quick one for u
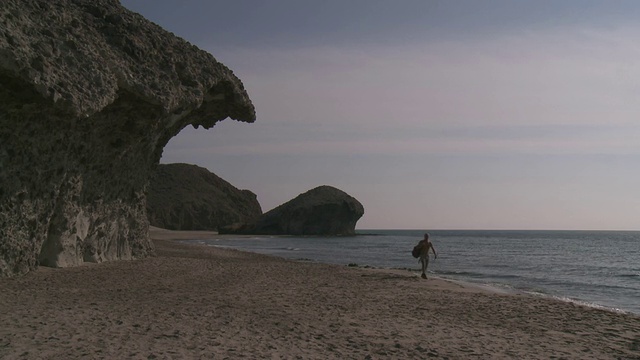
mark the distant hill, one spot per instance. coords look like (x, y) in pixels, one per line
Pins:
(189, 197)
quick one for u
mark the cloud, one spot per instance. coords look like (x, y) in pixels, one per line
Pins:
(481, 141)
(500, 73)
(521, 130)
(575, 82)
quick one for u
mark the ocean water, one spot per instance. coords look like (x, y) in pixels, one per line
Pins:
(595, 268)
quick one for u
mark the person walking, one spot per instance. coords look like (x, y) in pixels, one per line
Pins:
(424, 246)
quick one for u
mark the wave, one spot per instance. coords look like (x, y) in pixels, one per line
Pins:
(197, 242)
(479, 275)
(629, 276)
(577, 302)
(289, 248)
(498, 266)
(461, 273)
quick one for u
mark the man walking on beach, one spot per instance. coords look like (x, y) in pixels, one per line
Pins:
(424, 246)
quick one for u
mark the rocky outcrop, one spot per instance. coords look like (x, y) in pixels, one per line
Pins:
(189, 197)
(90, 93)
(324, 210)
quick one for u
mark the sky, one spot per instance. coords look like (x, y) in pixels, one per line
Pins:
(433, 114)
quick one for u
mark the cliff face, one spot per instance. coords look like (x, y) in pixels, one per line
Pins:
(90, 93)
(324, 210)
(188, 197)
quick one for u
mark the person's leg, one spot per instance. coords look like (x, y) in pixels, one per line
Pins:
(426, 265)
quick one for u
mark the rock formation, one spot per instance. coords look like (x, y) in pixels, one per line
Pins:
(189, 197)
(324, 210)
(90, 93)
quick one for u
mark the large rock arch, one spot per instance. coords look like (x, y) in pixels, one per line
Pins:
(90, 93)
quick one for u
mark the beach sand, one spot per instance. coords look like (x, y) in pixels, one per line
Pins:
(198, 302)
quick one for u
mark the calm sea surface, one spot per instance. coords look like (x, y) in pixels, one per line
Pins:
(597, 268)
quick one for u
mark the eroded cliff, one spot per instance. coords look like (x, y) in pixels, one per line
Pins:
(90, 93)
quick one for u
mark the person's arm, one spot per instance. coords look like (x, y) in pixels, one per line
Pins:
(435, 254)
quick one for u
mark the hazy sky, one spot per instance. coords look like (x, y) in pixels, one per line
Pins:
(434, 114)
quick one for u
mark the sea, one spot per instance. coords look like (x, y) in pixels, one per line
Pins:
(595, 268)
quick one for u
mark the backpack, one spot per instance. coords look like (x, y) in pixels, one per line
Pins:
(416, 250)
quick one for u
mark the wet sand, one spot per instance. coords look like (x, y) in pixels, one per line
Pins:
(198, 302)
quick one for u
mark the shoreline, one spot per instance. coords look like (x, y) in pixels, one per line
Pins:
(198, 238)
(192, 301)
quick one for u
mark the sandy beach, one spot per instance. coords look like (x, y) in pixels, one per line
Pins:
(198, 302)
